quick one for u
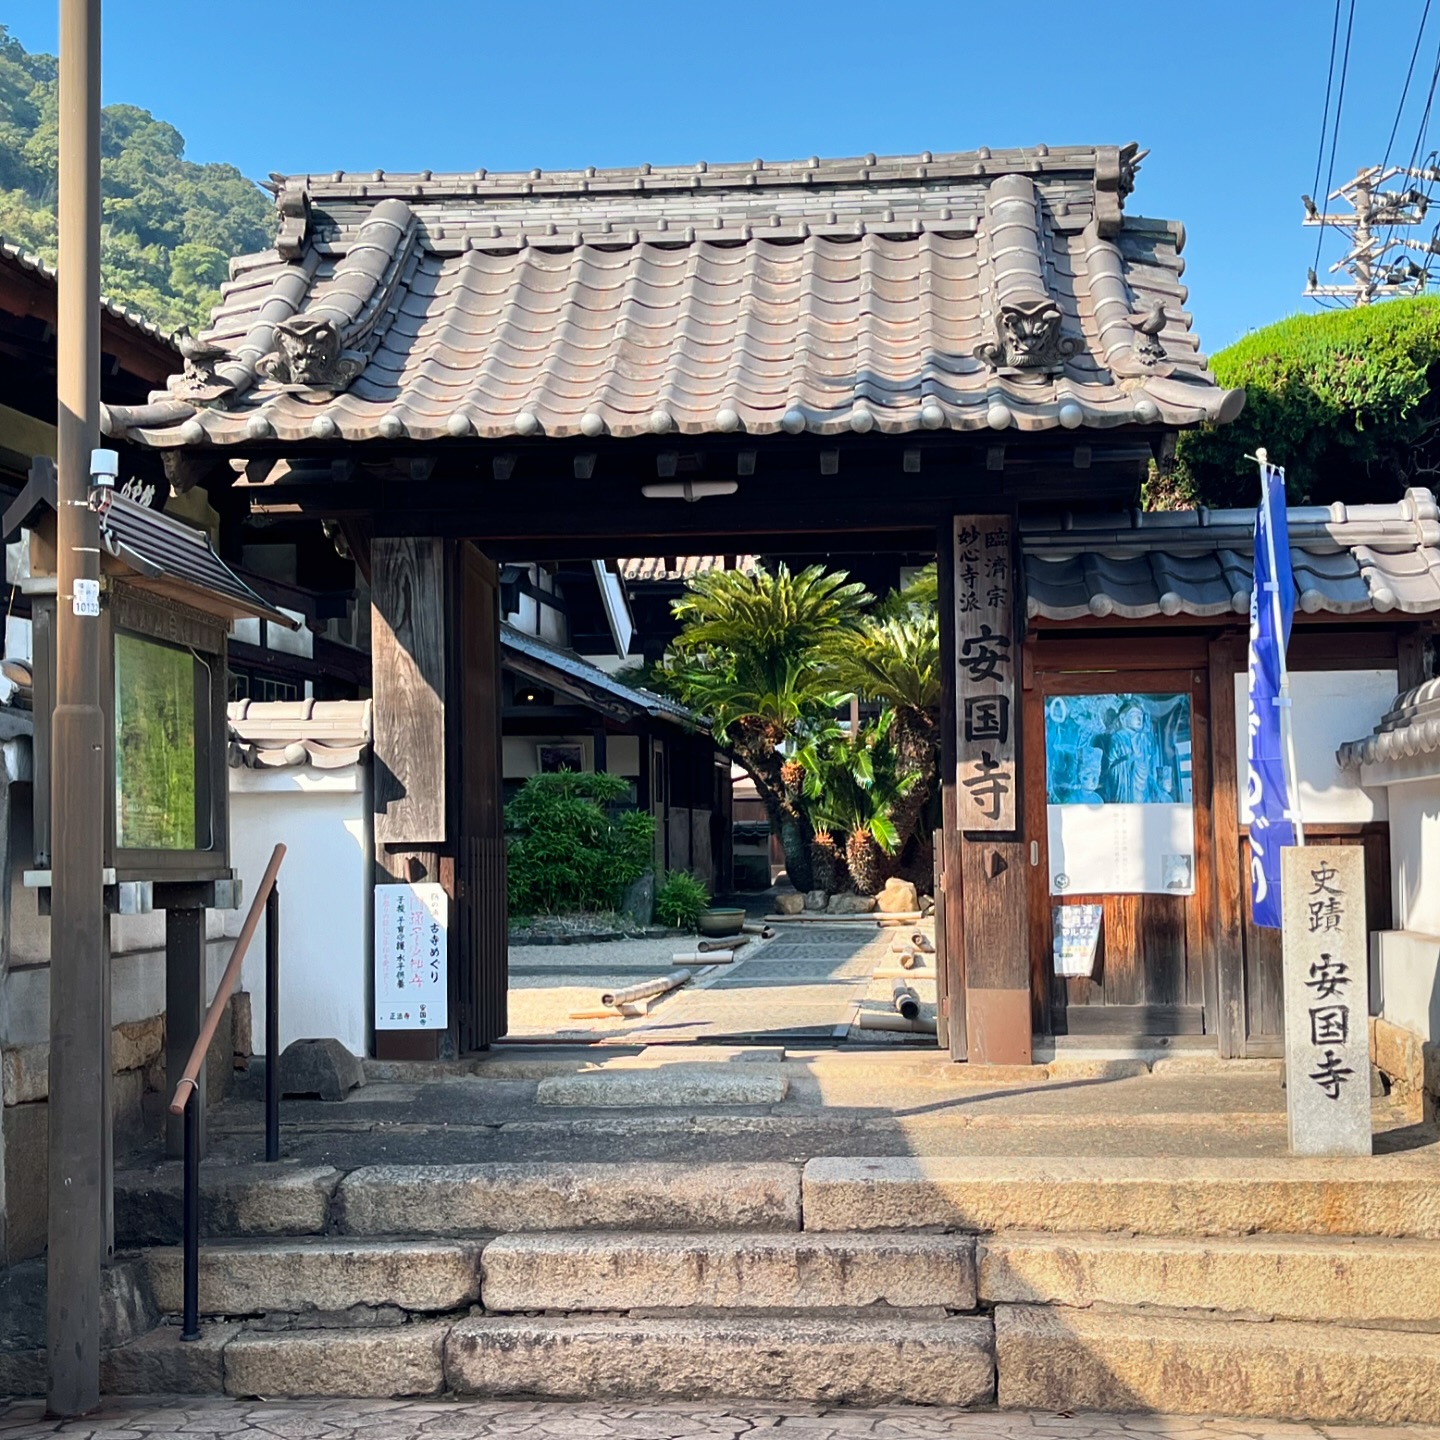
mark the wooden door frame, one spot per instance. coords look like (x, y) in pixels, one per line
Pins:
(1121, 665)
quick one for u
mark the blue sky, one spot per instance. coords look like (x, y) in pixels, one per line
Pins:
(1227, 95)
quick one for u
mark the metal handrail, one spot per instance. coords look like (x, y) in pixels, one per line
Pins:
(191, 1076)
(186, 1100)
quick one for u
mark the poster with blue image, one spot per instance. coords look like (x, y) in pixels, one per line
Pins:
(1118, 794)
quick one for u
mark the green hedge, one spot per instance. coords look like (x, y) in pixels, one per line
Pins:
(1344, 399)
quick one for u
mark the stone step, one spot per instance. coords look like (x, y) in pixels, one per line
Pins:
(735, 1271)
(869, 1361)
(1371, 1281)
(443, 1200)
(1382, 1195)
(239, 1278)
(1128, 1360)
(360, 1364)
(280, 1199)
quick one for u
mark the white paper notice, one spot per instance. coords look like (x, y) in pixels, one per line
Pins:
(86, 598)
(1121, 849)
(411, 955)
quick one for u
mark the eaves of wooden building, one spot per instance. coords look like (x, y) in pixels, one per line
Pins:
(979, 355)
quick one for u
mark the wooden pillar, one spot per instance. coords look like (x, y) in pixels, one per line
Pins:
(1228, 899)
(990, 858)
(949, 902)
(408, 649)
(185, 1005)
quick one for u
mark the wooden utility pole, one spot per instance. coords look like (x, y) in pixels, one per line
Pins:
(79, 1117)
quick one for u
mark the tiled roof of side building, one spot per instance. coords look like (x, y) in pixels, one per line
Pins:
(22, 259)
(275, 734)
(1346, 559)
(965, 292)
(684, 567)
(1410, 728)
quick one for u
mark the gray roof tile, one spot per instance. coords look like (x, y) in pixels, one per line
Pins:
(1410, 727)
(823, 296)
(1346, 561)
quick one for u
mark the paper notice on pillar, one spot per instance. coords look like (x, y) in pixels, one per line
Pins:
(1119, 816)
(411, 957)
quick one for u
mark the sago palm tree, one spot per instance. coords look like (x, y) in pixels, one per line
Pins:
(895, 658)
(753, 657)
(854, 786)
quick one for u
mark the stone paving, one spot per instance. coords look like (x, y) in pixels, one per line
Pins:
(192, 1419)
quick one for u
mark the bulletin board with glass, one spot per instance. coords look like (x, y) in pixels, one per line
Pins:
(163, 689)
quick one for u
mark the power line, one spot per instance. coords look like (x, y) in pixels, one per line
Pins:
(1339, 107)
(1405, 91)
(1325, 114)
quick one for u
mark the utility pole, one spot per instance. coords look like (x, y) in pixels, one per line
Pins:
(79, 1111)
(1373, 209)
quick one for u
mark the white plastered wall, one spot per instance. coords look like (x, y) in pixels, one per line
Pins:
(323, 818)
(1329, 707)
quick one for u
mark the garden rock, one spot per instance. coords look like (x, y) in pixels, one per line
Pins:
(639, 901)
(815, 899)
(789, 902)
(899, 897)
(319, 1067)
(851, 904)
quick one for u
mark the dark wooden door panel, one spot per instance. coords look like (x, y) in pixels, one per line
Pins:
(1155, 951)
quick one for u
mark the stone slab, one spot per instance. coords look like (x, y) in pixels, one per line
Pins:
(664, 1085)
(299, 1275)
(860, 1362)
(1052, 1360)
(237, 1200)
(762, 1272)
(359, 1364)
(25, 1074)
(1287, 1277)
(25, 1175)
(493, 1199)
(1327, 999)
(160, 1363)
(1383, 1195)
(22, 1372)
(711, 1054)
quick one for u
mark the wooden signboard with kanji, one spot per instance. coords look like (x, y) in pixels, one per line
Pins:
(986, 657)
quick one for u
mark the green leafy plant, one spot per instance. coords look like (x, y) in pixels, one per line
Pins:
(754, 657)
(1347, 400)
(570, 846)
(855, 786)
(680, 900)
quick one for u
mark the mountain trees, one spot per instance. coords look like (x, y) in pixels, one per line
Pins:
(170, 225)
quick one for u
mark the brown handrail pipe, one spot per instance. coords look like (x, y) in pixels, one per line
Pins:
(191, 1077)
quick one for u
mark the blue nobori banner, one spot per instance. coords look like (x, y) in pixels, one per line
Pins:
(1271, 783)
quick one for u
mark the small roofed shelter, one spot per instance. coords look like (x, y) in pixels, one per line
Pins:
(893, 353)
(562, 712)
(164, 606)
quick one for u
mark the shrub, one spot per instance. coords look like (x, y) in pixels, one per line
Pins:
(680, 899)
(569, 848)
(1345, 400)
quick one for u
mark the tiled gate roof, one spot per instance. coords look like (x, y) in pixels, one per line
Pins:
(967, 292)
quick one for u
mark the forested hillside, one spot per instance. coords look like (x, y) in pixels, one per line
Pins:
(170, 225)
